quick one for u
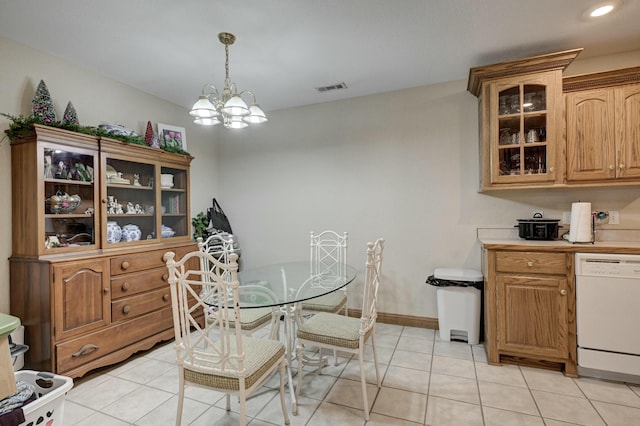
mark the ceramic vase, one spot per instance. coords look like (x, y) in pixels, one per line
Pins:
(131, 232)
(114, 232)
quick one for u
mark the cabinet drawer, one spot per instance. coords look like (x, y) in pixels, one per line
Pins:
(77, 352)
(531, 262)
(131, 307)
(131, 284)
(141, 261)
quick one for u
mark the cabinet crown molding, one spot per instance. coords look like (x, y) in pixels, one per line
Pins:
(540, 63)
(597, 80)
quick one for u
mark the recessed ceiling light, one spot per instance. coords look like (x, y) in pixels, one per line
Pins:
(603, 8)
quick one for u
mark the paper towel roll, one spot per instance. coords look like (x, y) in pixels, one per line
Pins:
(580, 230)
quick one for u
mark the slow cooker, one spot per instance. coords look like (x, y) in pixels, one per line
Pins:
(538, 228)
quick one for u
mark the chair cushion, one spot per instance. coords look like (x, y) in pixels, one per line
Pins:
(259, 356)
(331, 329)
(332, 302)
(250, 319)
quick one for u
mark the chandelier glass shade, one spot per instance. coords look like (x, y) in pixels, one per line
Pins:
(228, 107)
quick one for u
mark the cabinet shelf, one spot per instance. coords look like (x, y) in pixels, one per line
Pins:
(68, 181)
(129, 186)
(130, 215)
(68, 216)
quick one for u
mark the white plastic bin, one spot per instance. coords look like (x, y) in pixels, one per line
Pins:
(51, 390)
(459, 303)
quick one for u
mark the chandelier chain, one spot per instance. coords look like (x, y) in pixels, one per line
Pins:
(226, 62)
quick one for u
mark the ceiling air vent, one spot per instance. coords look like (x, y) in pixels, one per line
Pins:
(336, 86)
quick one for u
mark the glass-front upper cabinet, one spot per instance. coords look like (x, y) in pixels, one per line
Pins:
(130, 207)
(70, 195)
(145, 195)
(55, 177)
(522, 134)
(520, 120)
(174, 181)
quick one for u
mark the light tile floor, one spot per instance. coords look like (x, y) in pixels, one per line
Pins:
(426, 381)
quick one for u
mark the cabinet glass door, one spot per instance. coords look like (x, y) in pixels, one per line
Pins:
(173, 185)
(70, 196)
(519, 137)
(130, 205)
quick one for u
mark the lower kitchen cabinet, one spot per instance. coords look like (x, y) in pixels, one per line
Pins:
(530, 308)
(83, 313)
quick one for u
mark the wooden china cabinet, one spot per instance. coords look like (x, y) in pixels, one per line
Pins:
(520, 116)
(91, 223)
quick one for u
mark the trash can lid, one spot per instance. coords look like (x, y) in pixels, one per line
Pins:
(458, 274)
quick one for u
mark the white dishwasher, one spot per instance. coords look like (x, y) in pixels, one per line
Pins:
(608, 315)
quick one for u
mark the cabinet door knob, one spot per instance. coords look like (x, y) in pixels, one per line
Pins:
(125, 286)
(104, 201)
(165, 277)
(529, 264)
(105, 290)
(563, 292)
(621, 166)
(165, 297)
(611, 167)
(125, 265)
(126, 309)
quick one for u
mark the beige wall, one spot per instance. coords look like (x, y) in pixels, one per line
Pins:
(401, 165)
(97, 100)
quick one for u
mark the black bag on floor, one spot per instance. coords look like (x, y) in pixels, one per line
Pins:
(218, 219)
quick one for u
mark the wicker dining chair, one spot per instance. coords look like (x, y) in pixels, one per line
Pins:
(251, 319)
(328, 258)
(347, 334)
(211, 353)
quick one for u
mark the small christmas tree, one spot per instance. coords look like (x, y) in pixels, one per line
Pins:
(42, 105)
(70, 115)
(150, 136)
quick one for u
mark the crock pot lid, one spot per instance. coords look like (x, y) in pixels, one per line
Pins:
(539, 220)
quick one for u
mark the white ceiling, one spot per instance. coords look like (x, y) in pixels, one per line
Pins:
(286, 48)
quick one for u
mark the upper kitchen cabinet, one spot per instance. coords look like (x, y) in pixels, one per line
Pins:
(603, 127)
(520, 118)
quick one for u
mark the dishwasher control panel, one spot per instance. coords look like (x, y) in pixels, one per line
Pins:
(608, 265)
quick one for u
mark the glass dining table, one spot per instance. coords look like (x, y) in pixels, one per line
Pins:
(284, 286)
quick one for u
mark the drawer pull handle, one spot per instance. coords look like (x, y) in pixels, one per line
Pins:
(125, 265)
(563, 292)
(165, 297)
(125, 286)
(126, 309)
(86, 349)
(529, 264)
(165, 277)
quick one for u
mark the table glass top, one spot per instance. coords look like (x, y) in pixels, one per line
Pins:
(287, 283)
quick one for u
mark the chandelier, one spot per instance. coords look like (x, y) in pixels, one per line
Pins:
(227, 107)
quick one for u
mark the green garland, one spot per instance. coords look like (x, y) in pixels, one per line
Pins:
(21, 127)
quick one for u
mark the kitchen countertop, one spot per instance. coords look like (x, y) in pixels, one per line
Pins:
(607, 241)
